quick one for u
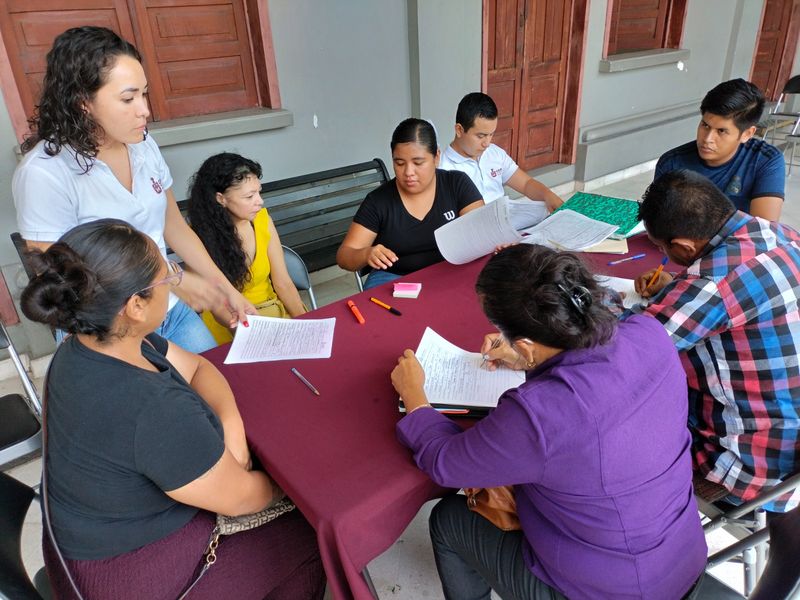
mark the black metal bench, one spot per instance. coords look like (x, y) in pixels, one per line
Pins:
(313, 212)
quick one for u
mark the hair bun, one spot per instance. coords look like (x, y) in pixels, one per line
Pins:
(61, 286)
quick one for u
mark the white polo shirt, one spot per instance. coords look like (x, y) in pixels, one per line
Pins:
(52, 194)
(489, 174)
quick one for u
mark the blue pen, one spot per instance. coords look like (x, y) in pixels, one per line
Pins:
(622, 260)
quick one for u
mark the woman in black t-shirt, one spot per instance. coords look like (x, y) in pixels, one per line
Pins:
(392, 232)
(144, 439)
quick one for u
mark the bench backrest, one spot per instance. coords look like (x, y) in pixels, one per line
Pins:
(313, 212)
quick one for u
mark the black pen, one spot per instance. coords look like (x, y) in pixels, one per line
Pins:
(392, 310)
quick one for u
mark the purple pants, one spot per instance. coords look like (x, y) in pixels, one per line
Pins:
(277, 561)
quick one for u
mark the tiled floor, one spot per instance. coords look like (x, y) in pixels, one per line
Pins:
(406, 571)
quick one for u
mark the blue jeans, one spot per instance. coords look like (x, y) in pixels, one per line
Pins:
(473, 557)
(184, 327)
(181, 326)
(378, 277)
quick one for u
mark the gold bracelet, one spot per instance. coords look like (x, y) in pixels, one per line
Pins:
(408, 412)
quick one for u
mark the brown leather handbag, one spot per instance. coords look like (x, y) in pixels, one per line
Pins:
(497, 504)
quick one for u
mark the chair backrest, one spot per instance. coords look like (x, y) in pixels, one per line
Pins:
(781, 577)
(22, 249)
(297, 269)
(792, 86)
(313, 212)
(15, 498)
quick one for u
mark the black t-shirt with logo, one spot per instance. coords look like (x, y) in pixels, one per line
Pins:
(412, 240)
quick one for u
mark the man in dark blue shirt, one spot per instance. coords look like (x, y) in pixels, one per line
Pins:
(747, 170)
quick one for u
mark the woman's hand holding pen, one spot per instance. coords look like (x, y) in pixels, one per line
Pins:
(408, 379)
(380, 257)
(496, 352)
(643, 286)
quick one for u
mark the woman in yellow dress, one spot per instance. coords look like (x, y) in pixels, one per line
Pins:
(225, 210)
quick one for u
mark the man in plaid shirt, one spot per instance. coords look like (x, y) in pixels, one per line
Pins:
(733, 316)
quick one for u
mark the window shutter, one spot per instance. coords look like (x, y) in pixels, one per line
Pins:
(197, 56)
(637, 25)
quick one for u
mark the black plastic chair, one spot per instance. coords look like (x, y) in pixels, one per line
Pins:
(779, 115)
(781, 577)
(298, 273)
(20, 414)
(748, 522)
(15, 499)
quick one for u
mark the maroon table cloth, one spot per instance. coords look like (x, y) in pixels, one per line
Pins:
(336, 455)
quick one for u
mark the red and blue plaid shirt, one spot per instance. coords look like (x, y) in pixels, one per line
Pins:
(733, 316)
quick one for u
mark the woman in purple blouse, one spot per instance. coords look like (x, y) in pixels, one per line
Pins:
(594, 441)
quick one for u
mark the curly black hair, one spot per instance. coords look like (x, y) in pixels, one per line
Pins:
(211, 221)
(77, 66)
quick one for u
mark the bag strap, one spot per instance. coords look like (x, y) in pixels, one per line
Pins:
(209, 556)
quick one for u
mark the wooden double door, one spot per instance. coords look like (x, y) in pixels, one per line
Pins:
(529, 47)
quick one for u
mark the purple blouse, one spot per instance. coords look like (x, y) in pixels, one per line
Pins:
(596, 444)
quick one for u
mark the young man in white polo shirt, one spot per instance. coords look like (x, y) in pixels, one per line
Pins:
(489, 166)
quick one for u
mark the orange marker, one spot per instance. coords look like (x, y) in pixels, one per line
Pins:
(356, 312)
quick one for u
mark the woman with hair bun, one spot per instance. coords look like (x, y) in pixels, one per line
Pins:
(594, 443)
(226, 212)
(144, 440)
(392, 232)
(89, 157)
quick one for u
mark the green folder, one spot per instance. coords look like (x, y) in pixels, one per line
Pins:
(615, 211)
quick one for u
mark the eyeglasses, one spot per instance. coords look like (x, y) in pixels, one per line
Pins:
(174, 277)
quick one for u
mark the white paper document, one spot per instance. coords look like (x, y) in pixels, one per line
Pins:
(454, 376)
(270, 338)
(624, 286)
(506, 221)
(476, 233)
(568, 230)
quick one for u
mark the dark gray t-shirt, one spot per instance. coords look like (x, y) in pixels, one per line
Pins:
(118, 436)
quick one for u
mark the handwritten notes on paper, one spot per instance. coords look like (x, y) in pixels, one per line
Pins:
(625, 288)
(568, 230)
(269, 338)
(454, 377)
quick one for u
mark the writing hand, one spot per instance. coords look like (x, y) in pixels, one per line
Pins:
(496, 352)
(641, 287)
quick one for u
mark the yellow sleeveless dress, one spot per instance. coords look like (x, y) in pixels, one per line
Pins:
(259, 289)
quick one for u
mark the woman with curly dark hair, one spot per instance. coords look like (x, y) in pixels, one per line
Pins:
(89, 157)
(226, 213)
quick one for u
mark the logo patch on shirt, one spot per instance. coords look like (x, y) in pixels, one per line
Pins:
(735, 186)
(156, 185)
(495, 172)
(450, 215)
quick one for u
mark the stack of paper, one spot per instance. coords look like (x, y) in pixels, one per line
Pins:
(454, 377)
(615, 211)
(407, 290)
(505, 221)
